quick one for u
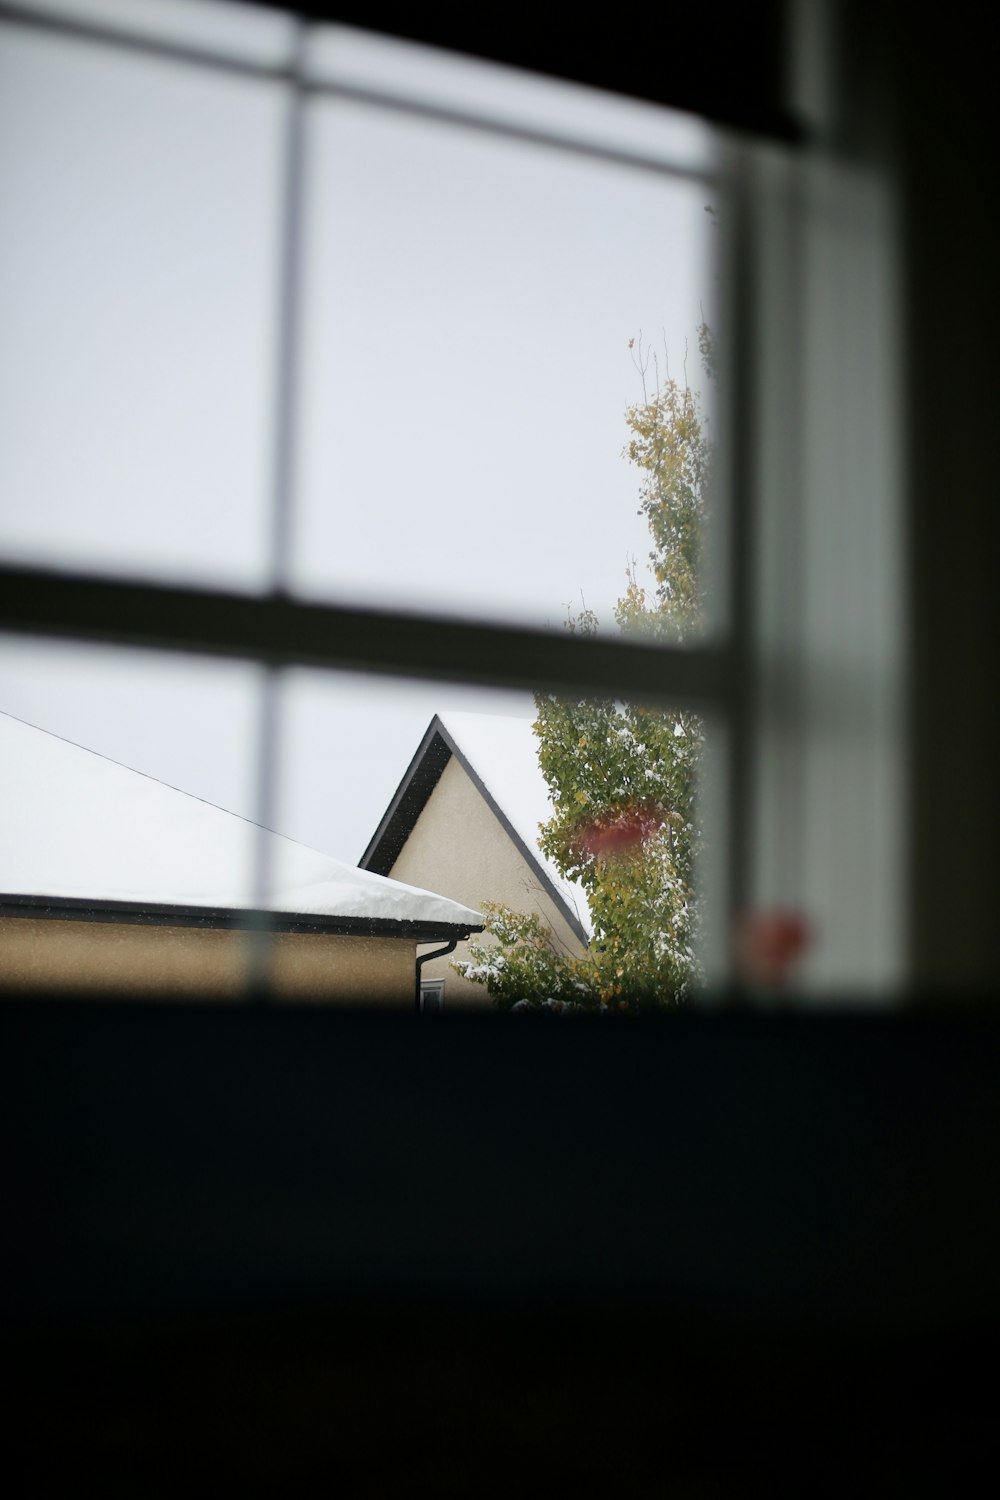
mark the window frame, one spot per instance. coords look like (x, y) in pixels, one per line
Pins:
(723, 677)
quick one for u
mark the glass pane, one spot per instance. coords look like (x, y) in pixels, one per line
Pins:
(138, 216)
(128, 787)
(480, 315)
(189, 722)
(573, 828)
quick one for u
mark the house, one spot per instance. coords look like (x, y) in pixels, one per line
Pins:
(112, 882)
(465, 820)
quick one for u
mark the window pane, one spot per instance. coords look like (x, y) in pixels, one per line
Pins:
(574, 828)
(139, 218)
(128, 792)
(468, 365)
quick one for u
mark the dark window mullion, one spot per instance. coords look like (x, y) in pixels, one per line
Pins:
(115, 38)
(279, 631)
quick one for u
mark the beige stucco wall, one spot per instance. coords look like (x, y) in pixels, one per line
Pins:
(460, 849)
(136, 960)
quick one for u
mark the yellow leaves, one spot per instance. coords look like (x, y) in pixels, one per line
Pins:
(582, 797)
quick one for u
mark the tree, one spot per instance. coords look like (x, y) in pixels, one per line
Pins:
(622, 775)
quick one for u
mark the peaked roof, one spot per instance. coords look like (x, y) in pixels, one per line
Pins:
(81, 834)
(500, 755)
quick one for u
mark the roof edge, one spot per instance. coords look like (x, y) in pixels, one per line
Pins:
(163, 914)
(408, 801)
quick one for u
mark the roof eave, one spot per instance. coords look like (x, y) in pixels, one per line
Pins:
(409, 800)
(169, 914)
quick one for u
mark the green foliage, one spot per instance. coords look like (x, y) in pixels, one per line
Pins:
(522, 964)
(621, 775)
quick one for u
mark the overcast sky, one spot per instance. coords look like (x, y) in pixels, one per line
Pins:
(464, 372)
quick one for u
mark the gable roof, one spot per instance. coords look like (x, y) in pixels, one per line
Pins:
(81, 835)
(500, 756)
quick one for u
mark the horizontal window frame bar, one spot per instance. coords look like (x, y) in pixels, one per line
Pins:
(123, 40)
(279, 631)
(291, 76)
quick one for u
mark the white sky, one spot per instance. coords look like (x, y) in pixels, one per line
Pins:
(467, 305)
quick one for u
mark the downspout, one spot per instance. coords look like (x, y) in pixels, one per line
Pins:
(435, 953)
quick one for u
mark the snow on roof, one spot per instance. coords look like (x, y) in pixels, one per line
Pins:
(74, 824)
(504, 754)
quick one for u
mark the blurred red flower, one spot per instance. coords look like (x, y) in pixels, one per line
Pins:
(768, 944)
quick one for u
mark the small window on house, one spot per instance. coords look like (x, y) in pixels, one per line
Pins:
(432, 994)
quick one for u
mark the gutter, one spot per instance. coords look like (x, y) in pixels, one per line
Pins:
(169, 914)
(435, 953)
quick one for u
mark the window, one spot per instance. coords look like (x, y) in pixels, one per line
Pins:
(437, 1199)
(800, 672)
(432, 994)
